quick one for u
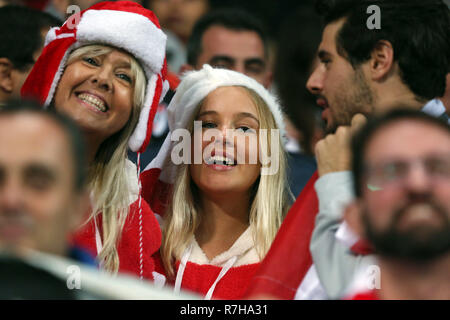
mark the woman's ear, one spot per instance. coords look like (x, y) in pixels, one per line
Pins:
(353, 217)
(382, 60)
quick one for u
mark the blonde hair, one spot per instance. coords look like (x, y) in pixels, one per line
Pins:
(269, 201)
(108, 179)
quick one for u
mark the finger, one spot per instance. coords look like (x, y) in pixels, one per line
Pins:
(358, 121)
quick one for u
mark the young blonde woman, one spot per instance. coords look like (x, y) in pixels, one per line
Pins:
(224, 209)
(106, 70)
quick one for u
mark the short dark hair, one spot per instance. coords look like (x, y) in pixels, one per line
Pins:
(20, 33)
(362, 138)
(418, 31)
(70, 128)
(229, 18)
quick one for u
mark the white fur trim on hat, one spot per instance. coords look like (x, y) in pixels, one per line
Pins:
(146, 43)
(196, 85)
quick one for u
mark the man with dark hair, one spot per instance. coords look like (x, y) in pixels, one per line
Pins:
(42, 179)
(43, 199)
(368, 71)
(363, 70)
(22, 37)
(233, 39)
(401, 169)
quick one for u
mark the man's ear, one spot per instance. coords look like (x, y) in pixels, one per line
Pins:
(382, 60)
(185, 67)
(353, 217)
(6, 82)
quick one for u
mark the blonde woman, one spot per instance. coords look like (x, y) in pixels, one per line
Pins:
(107, 72)
(225, 209)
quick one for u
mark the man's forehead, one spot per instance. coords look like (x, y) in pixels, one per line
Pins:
(408, 138)
(328, 43)
(33, 136)
(219, 40)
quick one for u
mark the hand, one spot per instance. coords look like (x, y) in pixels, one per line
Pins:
(333, 152)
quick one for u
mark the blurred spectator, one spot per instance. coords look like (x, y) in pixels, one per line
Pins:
(43, 199)
(42, 177)
(233, 39)
(21, 42)
(177, 18)
(401, 170)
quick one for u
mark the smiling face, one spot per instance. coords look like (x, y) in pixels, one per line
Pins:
(228, 108)
(97, 91)
(341, 90)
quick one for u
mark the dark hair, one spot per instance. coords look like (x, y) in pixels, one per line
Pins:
(70, 128)
(362, 138)
(20, 34)
(230, 18)
(298, 40)
(418, 31)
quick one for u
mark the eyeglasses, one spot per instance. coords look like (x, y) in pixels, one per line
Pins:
(392, 172)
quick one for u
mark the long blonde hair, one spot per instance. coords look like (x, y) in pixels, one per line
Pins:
(108, 179)
(269, 201)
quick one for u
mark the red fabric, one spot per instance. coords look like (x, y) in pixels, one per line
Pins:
(151, 117)
(362, 247)
(155, 191)
(173, 79)
(128, 244)
(289, 258)
(39, 81)
(36, 4)
(368, 295)
(199, 278)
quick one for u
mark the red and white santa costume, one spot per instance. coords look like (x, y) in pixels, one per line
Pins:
(227, 275)
(130, 27)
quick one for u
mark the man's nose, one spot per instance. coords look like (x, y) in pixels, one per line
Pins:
(315, 81)
(418, 179)
(11, 195)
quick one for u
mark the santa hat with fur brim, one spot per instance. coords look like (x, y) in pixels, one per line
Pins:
(122, 24)
(158, 177)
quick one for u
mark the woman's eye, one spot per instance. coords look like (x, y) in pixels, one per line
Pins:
(125, 77)
(245, 129)
(91, 61)
(208, 125)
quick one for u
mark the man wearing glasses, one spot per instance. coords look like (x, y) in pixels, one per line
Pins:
(401, 175)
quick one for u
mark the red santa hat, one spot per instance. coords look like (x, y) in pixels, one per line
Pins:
(159, 175)
(122, 24)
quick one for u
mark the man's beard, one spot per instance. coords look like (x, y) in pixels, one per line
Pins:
(354, 96)
(418, 244)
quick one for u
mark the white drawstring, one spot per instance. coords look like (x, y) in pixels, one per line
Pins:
(224, 270)
(182, 266)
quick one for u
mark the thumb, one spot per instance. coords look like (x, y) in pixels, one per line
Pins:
(358, 121)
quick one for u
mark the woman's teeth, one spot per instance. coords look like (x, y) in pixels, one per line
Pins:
(220, 160)
(93, 101)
